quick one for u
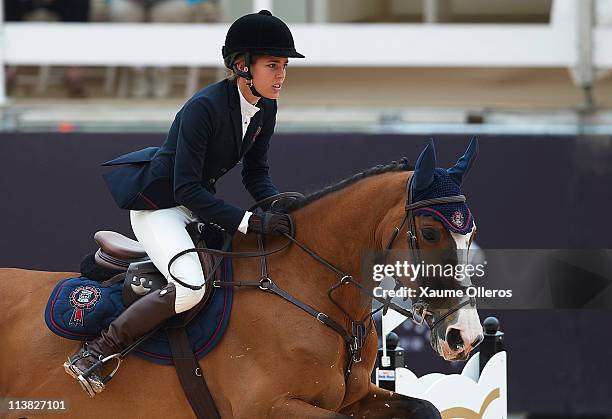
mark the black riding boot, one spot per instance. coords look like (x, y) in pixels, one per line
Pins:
(140, 317)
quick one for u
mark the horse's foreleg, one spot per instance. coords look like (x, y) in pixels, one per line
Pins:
(380, 403)
(295, 408)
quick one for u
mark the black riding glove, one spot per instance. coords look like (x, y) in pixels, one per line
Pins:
(269, 223)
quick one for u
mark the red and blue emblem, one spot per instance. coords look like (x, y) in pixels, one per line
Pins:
(457, 219)
(83, 298)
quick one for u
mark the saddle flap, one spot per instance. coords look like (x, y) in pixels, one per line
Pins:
(140, 279)
(208, 262)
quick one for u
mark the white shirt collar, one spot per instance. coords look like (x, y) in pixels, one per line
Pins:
(246, 109)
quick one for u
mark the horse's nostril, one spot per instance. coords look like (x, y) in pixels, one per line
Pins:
(454, 339)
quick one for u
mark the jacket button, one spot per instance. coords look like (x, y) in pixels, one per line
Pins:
(212, 180)
(223, 170)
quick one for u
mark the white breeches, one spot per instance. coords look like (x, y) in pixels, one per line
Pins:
(162, 233)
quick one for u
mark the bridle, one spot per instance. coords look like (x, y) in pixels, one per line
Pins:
(420, 311)
(358, 332)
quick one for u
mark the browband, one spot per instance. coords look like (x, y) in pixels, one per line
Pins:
(434, 201)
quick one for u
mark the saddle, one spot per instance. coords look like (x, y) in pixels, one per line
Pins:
(125, 260)
(118, 253)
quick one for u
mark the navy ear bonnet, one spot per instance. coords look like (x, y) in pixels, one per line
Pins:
(431, 182)
(455, 216)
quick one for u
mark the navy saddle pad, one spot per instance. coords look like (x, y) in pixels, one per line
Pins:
(79, 309)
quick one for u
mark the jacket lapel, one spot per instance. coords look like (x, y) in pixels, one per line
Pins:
(252, 131)
(236, 117)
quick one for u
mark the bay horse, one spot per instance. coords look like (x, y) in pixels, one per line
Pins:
(274, 359)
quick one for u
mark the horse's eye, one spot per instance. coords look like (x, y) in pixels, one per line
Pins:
(430, 234)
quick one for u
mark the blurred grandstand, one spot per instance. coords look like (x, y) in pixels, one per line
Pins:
(495, 66)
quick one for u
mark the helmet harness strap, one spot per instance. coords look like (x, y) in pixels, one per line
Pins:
(247, 73)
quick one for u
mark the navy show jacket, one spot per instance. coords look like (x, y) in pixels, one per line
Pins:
(204, 143)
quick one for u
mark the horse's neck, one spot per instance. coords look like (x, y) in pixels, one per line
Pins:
(340, 227)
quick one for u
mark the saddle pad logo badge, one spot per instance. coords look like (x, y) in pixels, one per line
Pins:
(457, 219)
(83, 298)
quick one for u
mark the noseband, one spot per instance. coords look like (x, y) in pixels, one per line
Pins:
(420, 312)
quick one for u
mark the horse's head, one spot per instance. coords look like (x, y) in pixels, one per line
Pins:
(440, 229)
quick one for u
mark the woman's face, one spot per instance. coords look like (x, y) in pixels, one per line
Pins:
(269, 75)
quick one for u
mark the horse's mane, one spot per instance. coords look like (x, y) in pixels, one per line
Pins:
(394, 166)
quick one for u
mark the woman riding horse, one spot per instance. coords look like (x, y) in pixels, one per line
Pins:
(165, 188)
(275, 359)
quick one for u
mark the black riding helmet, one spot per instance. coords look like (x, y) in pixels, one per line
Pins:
(257, 33)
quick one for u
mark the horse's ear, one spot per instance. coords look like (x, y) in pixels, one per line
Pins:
(464, 164)
(424, 168)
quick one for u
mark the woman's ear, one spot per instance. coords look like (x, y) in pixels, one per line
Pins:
(240, 64)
